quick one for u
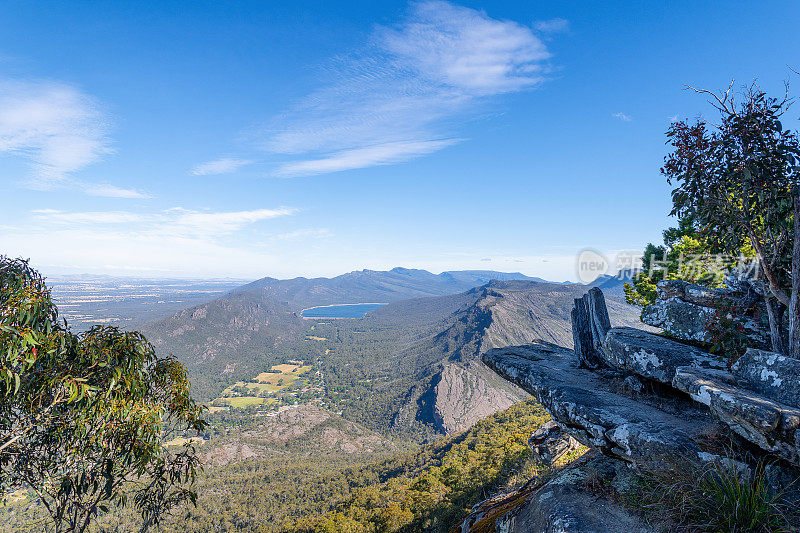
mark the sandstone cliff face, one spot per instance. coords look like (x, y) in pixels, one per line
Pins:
(464, 390)
(467, 393)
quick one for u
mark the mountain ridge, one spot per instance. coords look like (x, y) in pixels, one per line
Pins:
(412, 366)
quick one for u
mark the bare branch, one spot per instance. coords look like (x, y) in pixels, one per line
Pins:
(724, 102)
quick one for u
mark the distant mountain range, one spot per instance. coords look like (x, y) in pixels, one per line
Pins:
(412, 366)
(375, 286)
(613, 285)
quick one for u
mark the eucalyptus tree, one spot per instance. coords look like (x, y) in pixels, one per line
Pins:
(739, 177)
(83, 416)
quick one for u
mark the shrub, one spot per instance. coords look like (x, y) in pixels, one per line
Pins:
(721, 495)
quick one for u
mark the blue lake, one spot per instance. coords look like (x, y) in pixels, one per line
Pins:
(339, 311)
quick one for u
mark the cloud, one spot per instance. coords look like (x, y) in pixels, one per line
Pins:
(175, 241)
(55, 216)
(622, 116)
(556, 25)
(225, 165)
(405, 94)
(382, 154)
(176, 221)
(223, 222)
(111, 191)
(312, 233)
(57, 128)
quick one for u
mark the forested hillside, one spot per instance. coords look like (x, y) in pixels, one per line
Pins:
(229, 338)
(410, 368)
(429, 488)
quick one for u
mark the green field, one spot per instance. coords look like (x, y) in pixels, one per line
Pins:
(280, 378)
(243, 401)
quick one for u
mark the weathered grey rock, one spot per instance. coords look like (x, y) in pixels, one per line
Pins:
(741, 280)
(633, 384)
(772, 375)
(691, 293)
(570, 502)
(689, 321)
(550, 442)
(590, 323)
(769, 424)
(598, 316)
(652, 356)
(594, 409)
(684, 320)
(684, 310)
(581, 335)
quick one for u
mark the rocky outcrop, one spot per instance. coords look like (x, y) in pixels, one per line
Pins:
(550, 443)
(684, 310)
(607, 408)
(572, 502)
(652, 356)
(649, 402)
(693, 293)
(582, 498)
(593, 407)
(762, 421)
(683, 320)
(775, 376)
(590, 323)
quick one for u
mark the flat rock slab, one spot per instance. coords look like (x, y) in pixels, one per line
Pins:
(771, 425)
(773, 375)
(653, 356)
(597, 413)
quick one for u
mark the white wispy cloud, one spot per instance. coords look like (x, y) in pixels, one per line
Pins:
(111, 191)
(381, 154)
(556, 25)
(310, 233)
(56, 127)
(405, 93)
(623, 117)
(176, 221)
(176, 241)
(87, 217)
(226, 165)
(222, 222)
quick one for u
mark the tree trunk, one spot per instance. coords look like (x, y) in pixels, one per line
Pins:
(794, 304)
(775, 311)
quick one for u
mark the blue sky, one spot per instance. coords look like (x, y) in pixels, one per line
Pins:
(250, 139)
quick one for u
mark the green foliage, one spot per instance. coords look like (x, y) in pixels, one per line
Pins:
(727, 334)
(82, 416)
(305, 485)
(687, 254)
(434, 489)
(739, 178)
(723, 495)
